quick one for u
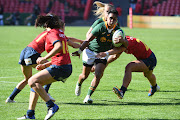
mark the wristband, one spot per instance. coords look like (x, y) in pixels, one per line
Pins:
(79, 51)
(107, 54)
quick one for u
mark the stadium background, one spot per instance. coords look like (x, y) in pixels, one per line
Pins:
(79, 12)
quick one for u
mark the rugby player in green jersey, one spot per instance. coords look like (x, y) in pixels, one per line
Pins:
(99, 40)
(102, 13)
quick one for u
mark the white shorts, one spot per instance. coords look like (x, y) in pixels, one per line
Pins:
(89, 57)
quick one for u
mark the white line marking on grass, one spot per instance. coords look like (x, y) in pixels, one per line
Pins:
(11, 77)
(7, 82)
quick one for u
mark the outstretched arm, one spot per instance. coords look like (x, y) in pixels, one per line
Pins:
(84, 45)
(73, 44)
(116, 50)
(75, 40)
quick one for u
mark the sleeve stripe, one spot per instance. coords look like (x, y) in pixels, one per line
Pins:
(56, 42)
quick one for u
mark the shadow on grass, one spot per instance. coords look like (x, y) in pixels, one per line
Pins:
(114, 103)
(133, 90)
(148, 90)
(119, 119)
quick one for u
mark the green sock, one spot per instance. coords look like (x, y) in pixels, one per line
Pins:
(91, 90)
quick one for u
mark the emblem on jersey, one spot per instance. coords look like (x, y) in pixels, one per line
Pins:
(103, 39)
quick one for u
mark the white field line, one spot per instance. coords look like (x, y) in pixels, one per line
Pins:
(12, 77)
(9, 77)
(7, 82)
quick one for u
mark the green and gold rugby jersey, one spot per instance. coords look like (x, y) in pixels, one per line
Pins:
(103, 40)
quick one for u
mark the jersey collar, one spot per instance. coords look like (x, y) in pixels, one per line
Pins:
(109, 30)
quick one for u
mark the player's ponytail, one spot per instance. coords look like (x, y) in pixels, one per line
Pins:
(99, 12)
(50, 20)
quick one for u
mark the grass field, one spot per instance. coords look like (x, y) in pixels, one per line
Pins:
(165, 43)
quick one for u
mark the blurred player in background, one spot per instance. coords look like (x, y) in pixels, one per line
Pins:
(101, 13)
(58, 69)
(146, 62)
(99, 40)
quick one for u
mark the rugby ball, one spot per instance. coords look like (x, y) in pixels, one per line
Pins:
(116, 34)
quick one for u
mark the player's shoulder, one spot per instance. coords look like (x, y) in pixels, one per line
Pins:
(100, 20)
(100, 25)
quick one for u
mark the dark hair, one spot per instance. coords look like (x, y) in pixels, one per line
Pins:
(114, 11)
(50, 20)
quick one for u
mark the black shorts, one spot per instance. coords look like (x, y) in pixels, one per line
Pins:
(150, 61)
(60, 73)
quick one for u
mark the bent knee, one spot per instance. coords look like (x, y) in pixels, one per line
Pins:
(31, 83)
(128, 67)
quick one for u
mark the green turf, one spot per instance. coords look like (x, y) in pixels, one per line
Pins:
(165, 43)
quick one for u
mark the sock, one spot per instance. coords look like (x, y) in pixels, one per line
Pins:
(30, 113)
(124, 89)
(79, 84)
(46, 87)
(49, 104)
(91, 90)
(154, 87)
(14, 93)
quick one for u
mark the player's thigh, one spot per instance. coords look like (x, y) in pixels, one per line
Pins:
(27, 71)
(99, 69)
(43, 77)
(86, 70)
(137, 66)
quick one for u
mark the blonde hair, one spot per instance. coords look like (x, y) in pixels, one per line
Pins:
(99, 12)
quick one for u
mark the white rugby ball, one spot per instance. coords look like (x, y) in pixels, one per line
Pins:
(116, 34)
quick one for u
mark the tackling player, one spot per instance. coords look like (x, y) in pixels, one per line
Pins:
(146, 62)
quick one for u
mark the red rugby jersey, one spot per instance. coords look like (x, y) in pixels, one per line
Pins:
(139, 49)
(39, 42)
(61, 58)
